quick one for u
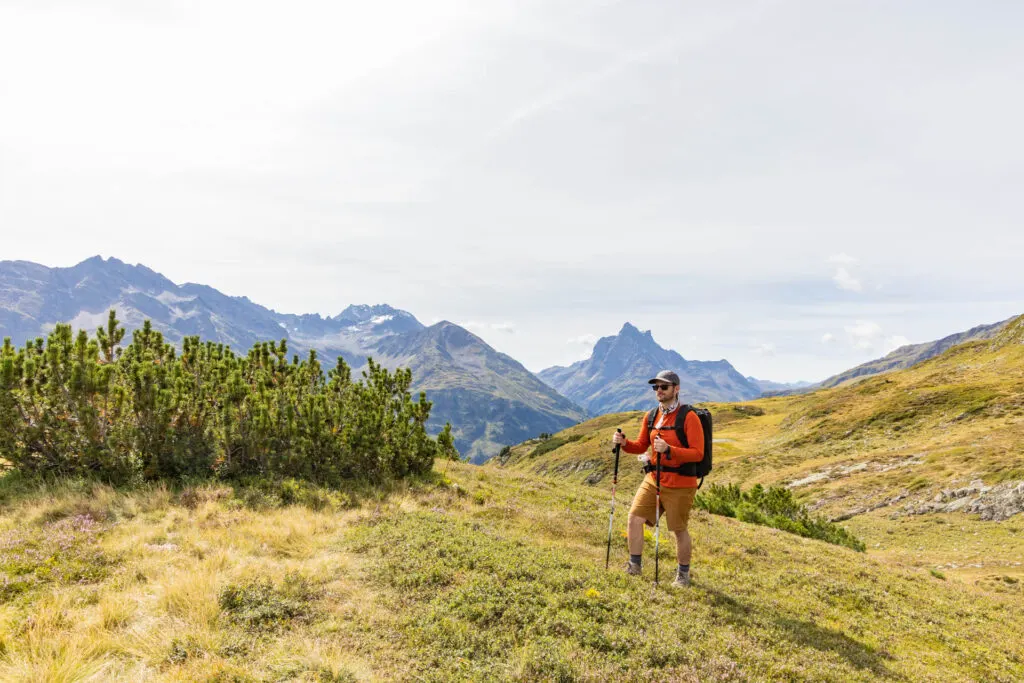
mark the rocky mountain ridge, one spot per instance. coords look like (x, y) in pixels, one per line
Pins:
(614, 378)
(491, 400)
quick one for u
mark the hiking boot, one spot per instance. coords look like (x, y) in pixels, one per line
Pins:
(633, 569)
(682, 579)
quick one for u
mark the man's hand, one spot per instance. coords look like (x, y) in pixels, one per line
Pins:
(618, 438)
(660, 445)
(643, 459)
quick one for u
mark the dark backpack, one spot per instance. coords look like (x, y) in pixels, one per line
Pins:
(689, 469)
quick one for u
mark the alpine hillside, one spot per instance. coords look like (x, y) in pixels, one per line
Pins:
(904, 357)
(615, 376)
(488, 397)
(925, 464)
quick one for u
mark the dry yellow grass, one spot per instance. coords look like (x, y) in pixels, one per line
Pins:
(158, 614)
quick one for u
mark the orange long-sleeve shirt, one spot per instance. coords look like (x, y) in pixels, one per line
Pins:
(664, 426)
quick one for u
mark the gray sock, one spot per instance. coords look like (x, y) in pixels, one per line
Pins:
(636, 559)
(684, 568)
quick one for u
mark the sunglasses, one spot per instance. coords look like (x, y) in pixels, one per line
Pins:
(661, 387)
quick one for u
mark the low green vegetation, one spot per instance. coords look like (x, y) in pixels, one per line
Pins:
(774, 507)
(75, 405)
(551, 443)
(259, 604)
(62, 552)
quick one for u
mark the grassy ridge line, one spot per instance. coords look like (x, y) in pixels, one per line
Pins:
(962, 412)
(486, 575)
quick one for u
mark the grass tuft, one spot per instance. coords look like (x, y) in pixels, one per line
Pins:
(261, 605)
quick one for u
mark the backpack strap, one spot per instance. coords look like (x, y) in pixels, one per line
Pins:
(688, 469)
(680, 425)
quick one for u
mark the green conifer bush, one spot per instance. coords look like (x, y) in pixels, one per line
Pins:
(774, 507)
(75, 405)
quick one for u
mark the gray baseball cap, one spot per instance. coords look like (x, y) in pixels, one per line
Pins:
(665, 376)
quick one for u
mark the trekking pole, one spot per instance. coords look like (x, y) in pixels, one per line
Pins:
(611, 516)
(657, 517)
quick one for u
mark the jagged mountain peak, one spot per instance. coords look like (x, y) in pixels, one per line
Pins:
(633, 345)
(629, 329)
(359, 313)
(112, 268)
(614, 377)
(377, 319)
(98, 260)
(631, 332)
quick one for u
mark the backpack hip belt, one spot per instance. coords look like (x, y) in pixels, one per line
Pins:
(688, 469)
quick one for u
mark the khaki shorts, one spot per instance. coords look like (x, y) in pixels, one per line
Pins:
(675, 505)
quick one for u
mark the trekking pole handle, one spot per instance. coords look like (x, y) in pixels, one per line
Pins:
(618, 446)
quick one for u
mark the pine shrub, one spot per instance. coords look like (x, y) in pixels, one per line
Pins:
(774, 507)
(75, 405)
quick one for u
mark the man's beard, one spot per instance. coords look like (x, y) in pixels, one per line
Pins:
(670, 405)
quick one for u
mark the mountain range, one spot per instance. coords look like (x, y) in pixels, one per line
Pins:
(490, 399)
(614, 378)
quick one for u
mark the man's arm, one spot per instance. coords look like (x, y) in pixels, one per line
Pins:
(642, 443)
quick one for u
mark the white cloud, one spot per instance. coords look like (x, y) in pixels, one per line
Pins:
(828, 338)
(764, 349)
(893, 343)
(583, 340)
(867, 335)
(864, 334)
(504, 327)
(842, 258)
(844, 280)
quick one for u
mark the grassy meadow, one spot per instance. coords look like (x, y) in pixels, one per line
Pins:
(496, 573)
(469, 574)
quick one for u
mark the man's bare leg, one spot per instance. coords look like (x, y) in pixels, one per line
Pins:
(684, 546)
(636, 535)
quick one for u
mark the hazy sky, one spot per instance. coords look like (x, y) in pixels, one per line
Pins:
(794, 186)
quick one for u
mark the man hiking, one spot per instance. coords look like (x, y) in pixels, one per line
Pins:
(677, 490)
